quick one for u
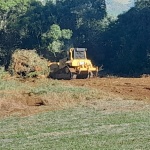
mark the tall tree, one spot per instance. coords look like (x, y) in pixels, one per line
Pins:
(142, 3)
(84, 18)
(126, 43)
(54, 39)
(29, 21)
(10, 10)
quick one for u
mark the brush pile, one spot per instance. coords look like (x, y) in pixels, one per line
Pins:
(27, 63)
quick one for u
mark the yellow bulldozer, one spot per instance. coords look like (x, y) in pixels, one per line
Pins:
(75, 65)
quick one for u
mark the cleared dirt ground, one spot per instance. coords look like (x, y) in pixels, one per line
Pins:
(118, 93)
(126, 88)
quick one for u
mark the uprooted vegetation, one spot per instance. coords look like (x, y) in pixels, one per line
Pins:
(27, 63)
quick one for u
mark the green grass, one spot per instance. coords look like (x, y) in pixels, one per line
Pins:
(56, 87)
(2, 72)
(42, 86)
(78, 128)
(12, 85)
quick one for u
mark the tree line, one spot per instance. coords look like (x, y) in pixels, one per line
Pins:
(121, 45)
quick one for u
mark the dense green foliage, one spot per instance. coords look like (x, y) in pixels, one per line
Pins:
(142, 3)
(122, 46)
(30, 24)
(126, 44)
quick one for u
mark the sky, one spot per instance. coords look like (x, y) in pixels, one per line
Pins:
(116, 7)
(123, 1)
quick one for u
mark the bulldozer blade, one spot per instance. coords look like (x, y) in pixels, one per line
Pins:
(93, 74)
(63, 73)
(83, 75)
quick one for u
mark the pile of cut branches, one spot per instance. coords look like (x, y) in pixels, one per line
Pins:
(27, 63)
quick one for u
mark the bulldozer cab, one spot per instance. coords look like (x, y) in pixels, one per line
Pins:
(77, 53)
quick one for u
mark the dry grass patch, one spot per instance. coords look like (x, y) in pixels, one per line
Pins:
(19, 96)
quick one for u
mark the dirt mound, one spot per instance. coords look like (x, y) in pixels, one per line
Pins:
(10, 106)
(24, 104)
(27, 63)
(20, 103)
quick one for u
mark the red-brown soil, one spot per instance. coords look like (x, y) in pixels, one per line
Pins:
(125, 88)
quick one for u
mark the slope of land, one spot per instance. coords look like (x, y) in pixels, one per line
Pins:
(26, 97)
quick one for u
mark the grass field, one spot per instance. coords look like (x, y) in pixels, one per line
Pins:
(77, 128)
(72, 118)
